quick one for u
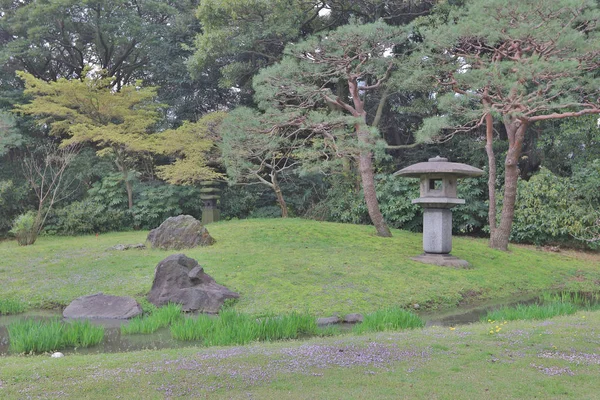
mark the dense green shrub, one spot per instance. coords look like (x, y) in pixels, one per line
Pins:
(12, 199)
(105, 208)
(155, 201)
(85, 217)
(395, 196)
(550, 209)
(472, 216)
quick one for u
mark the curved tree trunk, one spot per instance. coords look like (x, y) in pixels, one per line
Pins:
(367, 176)
(516, 133)
(279, 194)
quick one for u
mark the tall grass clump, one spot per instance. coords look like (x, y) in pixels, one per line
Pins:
(10, 306)
(586, 301)
(234, 328)
(82, 334)
(288, 326)
(39, 336)
(531, 311)
(156, 319)
(389, 319)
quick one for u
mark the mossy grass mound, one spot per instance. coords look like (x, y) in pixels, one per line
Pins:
(284, 265)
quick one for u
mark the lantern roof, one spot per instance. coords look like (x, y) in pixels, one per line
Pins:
(439, 166)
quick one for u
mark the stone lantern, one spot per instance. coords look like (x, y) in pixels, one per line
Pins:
(438, 196)
(210, 193)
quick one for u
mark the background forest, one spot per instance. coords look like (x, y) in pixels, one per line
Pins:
(114, 114)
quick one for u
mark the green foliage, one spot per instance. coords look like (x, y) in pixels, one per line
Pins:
(25, 228)
(242, 36)
(396, 195)
(159, 318)
(86, 217)
(12, 199)
(10, 306)
(550, 210)
(389, 319)
(40, 336)
(583, 300)
(10, 137)
(234, 328)
(532, 311)
(343, 202)
(155, 202)
(570, 145)
(105, 208)
(194, 146)
(471, 217)
(89, 111)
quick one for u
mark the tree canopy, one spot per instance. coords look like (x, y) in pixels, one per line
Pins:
(520, 61)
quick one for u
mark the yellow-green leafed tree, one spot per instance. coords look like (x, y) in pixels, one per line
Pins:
(194, 147)
(77, 111)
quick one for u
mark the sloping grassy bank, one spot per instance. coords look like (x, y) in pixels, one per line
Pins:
(551, 359)
(279, 266)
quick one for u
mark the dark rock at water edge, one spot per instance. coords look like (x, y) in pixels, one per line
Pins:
(179, 279)
(102, 306)
(181, 232)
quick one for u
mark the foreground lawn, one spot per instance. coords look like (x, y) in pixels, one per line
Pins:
(551, 359)
(280, 266)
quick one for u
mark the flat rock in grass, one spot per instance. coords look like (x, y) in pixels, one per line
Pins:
(181, 232)
(179, 279)
(328, 321)
(353, 318)
(121, 247)
(102, 306)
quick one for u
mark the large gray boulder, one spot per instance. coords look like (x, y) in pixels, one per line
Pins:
(179, 279)
(102, 306)
(181, 232)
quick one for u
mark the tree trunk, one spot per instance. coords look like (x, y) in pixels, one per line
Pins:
(279, 194)
(125, 172)
(516, 133)
(489, 149)
(367, 175)
(129, 189)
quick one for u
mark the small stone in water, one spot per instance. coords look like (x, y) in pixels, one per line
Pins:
(58, 354)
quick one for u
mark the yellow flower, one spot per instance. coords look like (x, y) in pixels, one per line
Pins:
(452, 328)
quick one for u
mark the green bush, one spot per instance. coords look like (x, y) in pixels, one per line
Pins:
(85, 217)
(25, 228)
(154, 202)
(549, 209)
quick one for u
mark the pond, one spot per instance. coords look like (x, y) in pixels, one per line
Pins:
(114, 341)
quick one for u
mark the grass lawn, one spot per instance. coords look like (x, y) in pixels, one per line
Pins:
(280, 266)
(552, 359)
